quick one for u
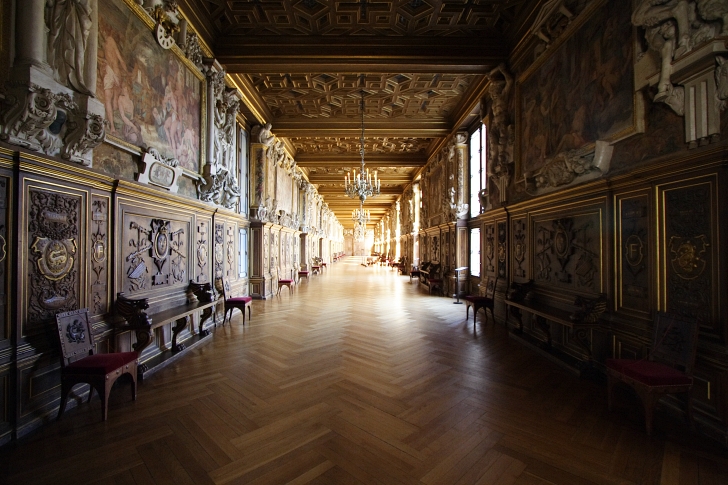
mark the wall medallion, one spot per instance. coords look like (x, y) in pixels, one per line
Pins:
(55, 256)
(687, 260)
(3, 246)
(634, 250)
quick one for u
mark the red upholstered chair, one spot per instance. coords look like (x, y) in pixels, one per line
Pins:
(667, 369)
(79, 364)
(303, 274)
(486, 302)
(233, 302)
(287, 282)
(414, 273)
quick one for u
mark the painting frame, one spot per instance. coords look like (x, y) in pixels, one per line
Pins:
(623, 126)
(194, 151)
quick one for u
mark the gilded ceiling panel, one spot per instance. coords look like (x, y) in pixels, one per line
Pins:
(387, 96)
(351, 145)
(382, 171)
(353, 18)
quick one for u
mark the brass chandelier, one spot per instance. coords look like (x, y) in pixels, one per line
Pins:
(360, 218)
(361, 185)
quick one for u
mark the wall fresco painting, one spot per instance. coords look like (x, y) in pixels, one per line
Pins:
(151, 98)
(582, 92)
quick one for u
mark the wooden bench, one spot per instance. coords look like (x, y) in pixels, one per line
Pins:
(584, 316)
(201, 298)
(430, 276)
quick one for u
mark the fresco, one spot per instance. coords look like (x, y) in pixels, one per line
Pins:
(150, 97)
(582, 92)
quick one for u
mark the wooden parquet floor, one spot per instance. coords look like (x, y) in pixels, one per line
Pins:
(359, 377)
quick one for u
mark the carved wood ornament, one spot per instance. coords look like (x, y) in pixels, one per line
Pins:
(53, 227)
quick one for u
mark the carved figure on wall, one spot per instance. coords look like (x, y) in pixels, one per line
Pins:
(721, 82)
(673, 28)
(499, 92)
(265, 137)
(714, 10)
(69, 24)
(192, 49)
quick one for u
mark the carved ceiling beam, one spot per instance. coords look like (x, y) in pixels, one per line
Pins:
(335, 179)
(301, 54)
(372, 160)
(352, 128)
(385, 191)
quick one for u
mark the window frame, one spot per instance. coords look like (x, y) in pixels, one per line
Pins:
(478, 181)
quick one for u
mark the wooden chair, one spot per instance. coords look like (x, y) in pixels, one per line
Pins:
(486, 302)
(287, 282)
(667, 369)
(414, 273)
(231, 303)
(79, 364)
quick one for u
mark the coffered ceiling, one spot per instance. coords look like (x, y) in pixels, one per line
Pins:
(304, 65)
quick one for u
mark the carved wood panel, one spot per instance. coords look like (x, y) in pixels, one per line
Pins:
(5, 206)
(502, 248)
(316, 17)
(520, 249)
(489, 250)
(202, 251)
(219, 250)
(634, 253)
(337, 95)
(689, 252)
(154, 251)
(99, 255)
(567, 251)
(54, 249)
(230, 269)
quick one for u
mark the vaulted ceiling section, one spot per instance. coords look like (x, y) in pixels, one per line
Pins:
(303, 65)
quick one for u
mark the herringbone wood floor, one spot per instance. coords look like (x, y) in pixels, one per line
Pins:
(360, 377)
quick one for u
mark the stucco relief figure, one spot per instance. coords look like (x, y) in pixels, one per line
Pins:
(265, 136)
(69, 24)
(721, 82)
(714, 10)
(673, 28)
(499, 92)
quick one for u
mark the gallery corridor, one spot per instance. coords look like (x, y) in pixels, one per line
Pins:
(360, 377)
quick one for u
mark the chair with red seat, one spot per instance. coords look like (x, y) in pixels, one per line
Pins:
(79, 364)
(667, 369)
(287, 282)
(232, 302)
(487, 301)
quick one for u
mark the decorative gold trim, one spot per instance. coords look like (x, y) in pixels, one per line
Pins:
(119, 143)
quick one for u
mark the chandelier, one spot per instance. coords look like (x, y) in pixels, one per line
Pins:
(360, 218)
(361, 185)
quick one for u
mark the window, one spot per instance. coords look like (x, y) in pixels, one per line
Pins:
(475, 252)
(478, 168)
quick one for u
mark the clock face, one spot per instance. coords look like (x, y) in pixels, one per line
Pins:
(164, 39)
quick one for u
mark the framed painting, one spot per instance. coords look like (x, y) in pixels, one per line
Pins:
(580, 90)
(153, 98)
